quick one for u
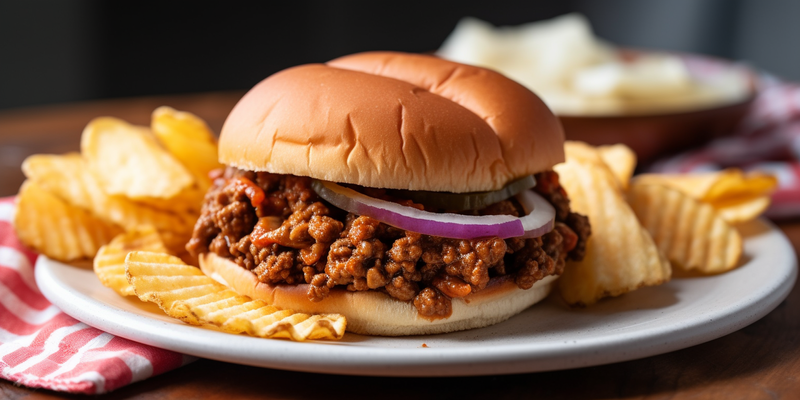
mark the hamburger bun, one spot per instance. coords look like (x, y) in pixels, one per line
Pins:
(396, 121)
(375, 313)
(392, 121)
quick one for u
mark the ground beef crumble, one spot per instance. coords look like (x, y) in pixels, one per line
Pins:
(277, 227)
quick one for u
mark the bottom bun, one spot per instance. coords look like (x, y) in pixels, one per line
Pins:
(376, 313)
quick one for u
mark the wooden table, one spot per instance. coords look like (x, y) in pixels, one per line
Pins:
(761, 361)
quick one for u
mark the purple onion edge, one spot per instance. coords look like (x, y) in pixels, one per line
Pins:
(453, 230)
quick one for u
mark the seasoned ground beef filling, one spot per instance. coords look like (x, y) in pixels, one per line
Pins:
(277, 227)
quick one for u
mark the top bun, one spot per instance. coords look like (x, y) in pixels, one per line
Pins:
(393, 120)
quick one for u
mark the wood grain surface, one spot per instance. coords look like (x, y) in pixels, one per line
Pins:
(761, 361)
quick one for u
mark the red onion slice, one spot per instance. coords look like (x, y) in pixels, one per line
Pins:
(445, 225)
(448, 225)
(541, 216)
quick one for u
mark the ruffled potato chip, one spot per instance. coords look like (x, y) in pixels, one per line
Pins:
(743, 211)
(737, 196)
(128, 161)
(109, 263)
(189, 139)
(621, 160)
(733, 186)
(56, 229)
(620, 255)
(694, 185)
(68, 177)
(690, 232)
(183, 292)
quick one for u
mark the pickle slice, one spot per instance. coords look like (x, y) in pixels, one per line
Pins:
(466, 201)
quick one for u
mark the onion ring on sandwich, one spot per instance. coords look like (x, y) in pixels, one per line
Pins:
(411, 194)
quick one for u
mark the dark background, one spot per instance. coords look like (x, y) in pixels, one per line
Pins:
(58, 51)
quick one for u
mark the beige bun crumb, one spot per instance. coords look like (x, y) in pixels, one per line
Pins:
(375, 313)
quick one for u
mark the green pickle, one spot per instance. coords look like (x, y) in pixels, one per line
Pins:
(466, 201)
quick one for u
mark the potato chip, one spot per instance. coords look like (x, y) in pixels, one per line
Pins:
(587, 154)
(109, 263)
(734, 186)
(738, 197)
(688, 231)
(694, 185)
(621, 160)
(620, 255)
(743, 211)
(719, 186)
(183, 292)
(69, 178)
(189, 139)
(128, 160)
(56, 229)
(56, 174)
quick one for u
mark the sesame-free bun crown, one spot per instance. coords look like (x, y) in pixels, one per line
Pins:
(393, 120)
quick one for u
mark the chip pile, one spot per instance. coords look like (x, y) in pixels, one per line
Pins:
(125, 178)
(693, 217)
(736, 196)
(56, 228)
(134, 193)
(620, 255)
(646, 226)
(691, 233)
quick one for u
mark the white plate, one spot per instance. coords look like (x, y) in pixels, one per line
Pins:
(547, 336)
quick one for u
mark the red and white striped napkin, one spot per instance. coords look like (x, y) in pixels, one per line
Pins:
(768, 139)
(42, 347)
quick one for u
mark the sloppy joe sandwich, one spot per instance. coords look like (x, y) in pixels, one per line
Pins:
(411, 194)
